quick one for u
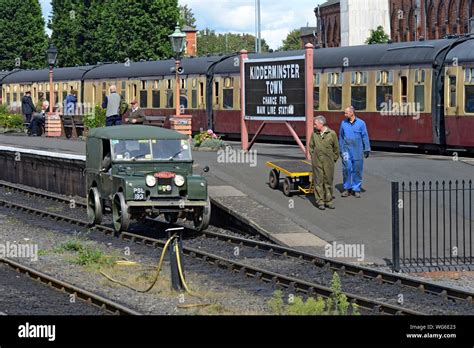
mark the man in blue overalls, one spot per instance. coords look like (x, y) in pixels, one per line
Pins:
(355, 145)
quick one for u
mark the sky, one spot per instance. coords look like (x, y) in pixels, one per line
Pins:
(279, 17)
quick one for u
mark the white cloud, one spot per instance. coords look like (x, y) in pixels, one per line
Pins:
(279, 17)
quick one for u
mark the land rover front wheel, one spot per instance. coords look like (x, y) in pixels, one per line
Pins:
(94, 206)
(202, 216)
(120, 213)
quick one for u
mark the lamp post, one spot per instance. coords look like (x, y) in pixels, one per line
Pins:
(178, 43)
(51, 54)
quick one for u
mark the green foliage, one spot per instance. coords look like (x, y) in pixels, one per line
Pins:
(292, 41)
(187, 16)
(22, 35)
(92, 257)
(96, 119)
(211, 43)
(73, 245)
(9, 121)
(207, 137)
(86, 256)
(377, 36)
(97, 31)
(337, 304)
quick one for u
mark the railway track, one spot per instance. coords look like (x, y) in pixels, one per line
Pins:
(294, 284)
(109, 306)
(344, 267)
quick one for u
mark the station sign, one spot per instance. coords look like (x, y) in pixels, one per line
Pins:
(275, 89)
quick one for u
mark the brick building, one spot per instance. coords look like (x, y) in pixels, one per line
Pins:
(328, 17)
(409, 19)
(430, 19)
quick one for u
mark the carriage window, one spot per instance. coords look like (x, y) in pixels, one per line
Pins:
(384, 98)
(452, 91)
(156, 99)
(359, 90)
(143, 99)
(216, 91)
(404, 89)
(201, 93)
(359, 97)
(169, 99)
(194, 99)
(316, 98)
(228, 95)
(420, 98)
(469, 106)
(317, 80)
(335, 91)
(334, 98)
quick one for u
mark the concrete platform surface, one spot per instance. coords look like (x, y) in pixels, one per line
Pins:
(295, 221)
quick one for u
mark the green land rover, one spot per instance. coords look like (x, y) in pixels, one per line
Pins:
(143, 171)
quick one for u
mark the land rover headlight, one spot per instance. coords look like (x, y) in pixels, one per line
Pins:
(150, 180)
(179, 180)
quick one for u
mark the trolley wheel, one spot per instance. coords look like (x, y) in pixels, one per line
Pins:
(288, 187)
(94, 206)
(274, 179)
(120, 213)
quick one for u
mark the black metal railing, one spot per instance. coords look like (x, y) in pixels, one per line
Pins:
(432, 225)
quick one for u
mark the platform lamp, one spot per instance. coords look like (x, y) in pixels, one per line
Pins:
(52, 55)
(178, 43)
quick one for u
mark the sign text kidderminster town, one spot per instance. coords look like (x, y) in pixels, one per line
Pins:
(275, 90)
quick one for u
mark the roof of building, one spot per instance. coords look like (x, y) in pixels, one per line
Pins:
(329, 3)
(135, 133)
(188, 28)
(308, 31)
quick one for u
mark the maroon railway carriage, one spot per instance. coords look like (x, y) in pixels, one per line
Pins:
(412, 94)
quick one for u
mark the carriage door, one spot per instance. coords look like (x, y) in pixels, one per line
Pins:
(451, 91)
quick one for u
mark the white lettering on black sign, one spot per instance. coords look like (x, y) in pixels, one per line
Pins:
(275, 90)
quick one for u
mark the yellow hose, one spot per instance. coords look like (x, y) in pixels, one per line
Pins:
(160, 264)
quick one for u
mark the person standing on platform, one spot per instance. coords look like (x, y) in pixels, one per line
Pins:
(70, 103)
(112, 106)
(324, 150)
(27, 106)
(136, 114)
(355, 146)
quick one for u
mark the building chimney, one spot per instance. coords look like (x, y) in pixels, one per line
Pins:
(191, 41)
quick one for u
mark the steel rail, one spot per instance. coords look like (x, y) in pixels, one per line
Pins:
(87, 296)
(291, 283)
(319, 261)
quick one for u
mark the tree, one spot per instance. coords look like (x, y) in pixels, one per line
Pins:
(68, 27)
(187, 16)
(23, 40)
(377, 36)
(116, 30)
(292, 41)
(211, 43)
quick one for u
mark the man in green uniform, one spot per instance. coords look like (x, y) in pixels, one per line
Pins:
(324, 150)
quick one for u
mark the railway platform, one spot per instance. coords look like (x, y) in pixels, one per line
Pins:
(242, 189)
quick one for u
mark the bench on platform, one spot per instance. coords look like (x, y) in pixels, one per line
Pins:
(73, 125)
(157, 121)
